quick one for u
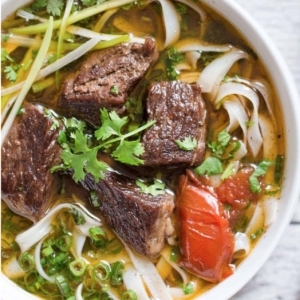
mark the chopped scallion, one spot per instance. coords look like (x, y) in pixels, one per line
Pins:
(129, 295)
(64, 242)
(63, 285)
(117, 269)
(98, 236)
(77, 267)
(26, 261)
(102, 271)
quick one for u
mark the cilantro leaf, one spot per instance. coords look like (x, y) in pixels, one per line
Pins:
(173, 57)
(111, 125)
(11, 73)
(188, 143)
(210, 166)
(86, 161)
(55, 7)
(5, 56)
(128, 152)
(80, 150)
(218, 147)
(260, 170)
(155, 189)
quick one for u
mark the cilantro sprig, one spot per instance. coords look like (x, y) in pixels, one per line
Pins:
(155, 189)
(173, 57)
(80, 150)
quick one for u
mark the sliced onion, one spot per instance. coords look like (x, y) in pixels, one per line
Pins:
(103, 36)
(29, 16)
(32, 75)
(68, 58)
(183, 66)
(150, 276)
(171, 21)
(214, 73)
(133, 281)
(254, 137)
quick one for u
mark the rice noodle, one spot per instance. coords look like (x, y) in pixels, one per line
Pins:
(11, 268)
(78, 242)
(150, 275)
(270, 206)
(133, 281)
(214, 73)
(192, 57)
(103, 36)
(78, 292)
(240, 153)
(171, 21)
(43, 227)
(241, 245)
(237, 115)
(254, 137)
(193, 44)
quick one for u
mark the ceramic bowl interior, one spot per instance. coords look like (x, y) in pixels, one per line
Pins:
(286, 91)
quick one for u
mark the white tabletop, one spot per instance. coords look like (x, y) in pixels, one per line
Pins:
(279, 278)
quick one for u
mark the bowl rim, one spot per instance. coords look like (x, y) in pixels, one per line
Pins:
(286, 89)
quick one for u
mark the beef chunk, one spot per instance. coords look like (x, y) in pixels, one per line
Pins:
(28, 153)
(141, 220)
(105, 79)
(179, 112)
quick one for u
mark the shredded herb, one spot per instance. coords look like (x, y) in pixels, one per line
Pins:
(173, 58)
(11, 72)
(278, 168)
(5, 56)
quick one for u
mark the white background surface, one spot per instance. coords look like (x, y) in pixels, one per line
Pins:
(279, 278)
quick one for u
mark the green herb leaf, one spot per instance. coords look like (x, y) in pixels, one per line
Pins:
(5, 56)
(11, 74)
(111, 125)
(188, 143)
(128, 152)
(55, 7)
(260, 170)
(218, 147)
(210, 166)
(173, 58)
(157, 188)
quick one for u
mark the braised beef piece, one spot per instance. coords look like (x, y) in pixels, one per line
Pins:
(180, 113)
(140, 220)
(105, 79)
(28, 153)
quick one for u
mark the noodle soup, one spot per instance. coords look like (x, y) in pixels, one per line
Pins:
(74, 248)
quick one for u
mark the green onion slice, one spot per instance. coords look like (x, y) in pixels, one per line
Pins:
(77, 267)
(129, 295)
(63, 285)
(102, 271)
(64, 242)
(117, 269)
(26, 261)
(98, 236)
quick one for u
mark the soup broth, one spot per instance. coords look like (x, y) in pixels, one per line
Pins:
(81, 256)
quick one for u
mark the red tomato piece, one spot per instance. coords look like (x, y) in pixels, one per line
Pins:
(206, 241)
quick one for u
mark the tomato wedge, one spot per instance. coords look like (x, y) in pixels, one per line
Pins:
(206, 240)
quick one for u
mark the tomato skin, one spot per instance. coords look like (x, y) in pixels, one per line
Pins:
(206, 241)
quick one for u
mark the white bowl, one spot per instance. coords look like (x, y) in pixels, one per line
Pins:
(285, 89)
